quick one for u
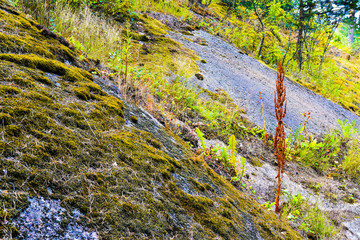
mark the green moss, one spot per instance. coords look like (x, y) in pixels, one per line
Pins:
(38, 96)
(209, 187)
(44, 80)
(133, 119)
(256, 162)
(47, 65)
(13, 43)
(220, 225)
(113, 105)
(19, 111)
(153, 26)
(166, 55)
(12, 131)
(166, 174)
(350, 106)
(88, 90)
(22, 80)
(92, 87)
(156, 144)
(137, 36)
(82, 93)
(197, 185)
(19, 35)
(31, 160)
(221, 95)
(186, 33)
(5, 119)
(195, 203)
(96, 113)
(202, 11)
(9, 89)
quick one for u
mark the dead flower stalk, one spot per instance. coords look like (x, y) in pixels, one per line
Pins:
(307, 118)
(279, 140)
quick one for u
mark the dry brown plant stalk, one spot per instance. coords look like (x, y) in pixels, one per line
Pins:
(279, 139)
(307, 118)
(266, 139)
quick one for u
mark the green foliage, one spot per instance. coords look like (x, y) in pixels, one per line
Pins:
(348, 130)
(318, 154)
(308, 216)
(232, 149)
(316, 222)
(293, 209)
(351, 162)
(92, 36)
(332, 80)
(225, 157)
(241, 169)
(201, 138)
(221, 154)
(119, 59)
(104, 114)
(268, 205)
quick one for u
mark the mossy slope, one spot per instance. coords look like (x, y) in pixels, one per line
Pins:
(63, 137)
(20, 35)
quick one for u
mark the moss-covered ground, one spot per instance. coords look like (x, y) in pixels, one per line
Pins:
(63, 137)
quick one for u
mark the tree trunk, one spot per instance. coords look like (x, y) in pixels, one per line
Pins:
(327, 46)
(300, 38)
(352, 27)
(262, 29)
(288, 47)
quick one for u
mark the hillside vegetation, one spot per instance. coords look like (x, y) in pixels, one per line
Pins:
(78, 81)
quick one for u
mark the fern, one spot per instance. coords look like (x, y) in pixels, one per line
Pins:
(225, 157)
(242, 168)
(201, 138)
(232, 148)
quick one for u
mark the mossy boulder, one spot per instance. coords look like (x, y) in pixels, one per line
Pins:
(70, 142)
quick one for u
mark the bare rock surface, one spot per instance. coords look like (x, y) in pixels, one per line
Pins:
(243, 77)
(46, 219)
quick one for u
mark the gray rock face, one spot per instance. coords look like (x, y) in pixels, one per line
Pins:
(354, 229)
(243, 77)
(45, 219)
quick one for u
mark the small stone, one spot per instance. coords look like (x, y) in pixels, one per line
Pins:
(201, 41)
(199, 76)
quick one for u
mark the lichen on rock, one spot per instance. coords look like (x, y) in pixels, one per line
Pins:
(46, 219)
